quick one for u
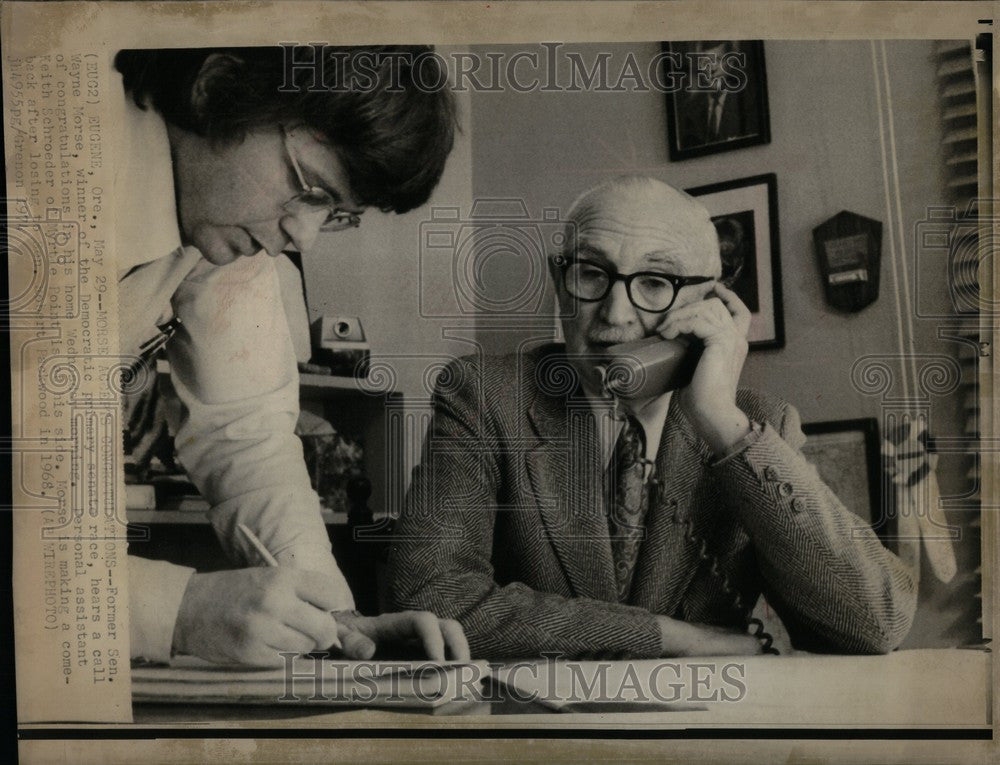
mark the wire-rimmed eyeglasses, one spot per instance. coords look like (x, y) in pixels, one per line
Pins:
(313, 198)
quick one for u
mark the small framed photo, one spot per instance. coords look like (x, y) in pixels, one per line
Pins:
(846, 454)
(720, 100)
(745, 214)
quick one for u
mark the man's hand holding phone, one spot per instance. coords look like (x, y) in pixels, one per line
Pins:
(720, 322)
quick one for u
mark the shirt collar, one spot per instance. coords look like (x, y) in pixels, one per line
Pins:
(147, 227)
(651, 416)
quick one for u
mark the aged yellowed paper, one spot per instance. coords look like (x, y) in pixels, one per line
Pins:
(878, 327)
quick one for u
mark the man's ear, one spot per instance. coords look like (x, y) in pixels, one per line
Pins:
(216, 69)
(553, 263)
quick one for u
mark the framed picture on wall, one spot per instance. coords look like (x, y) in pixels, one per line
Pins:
(846, 454)
(745, 214)
(720, 103)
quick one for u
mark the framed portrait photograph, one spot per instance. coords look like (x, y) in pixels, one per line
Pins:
(846, 453)
(721, 101)
(745, 214)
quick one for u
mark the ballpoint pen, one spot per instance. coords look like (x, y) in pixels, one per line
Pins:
(269, 560)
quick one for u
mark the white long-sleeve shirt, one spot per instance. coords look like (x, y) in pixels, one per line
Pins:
(233, 367)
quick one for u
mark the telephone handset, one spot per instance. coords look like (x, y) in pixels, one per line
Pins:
(648, 367)
(644, 369)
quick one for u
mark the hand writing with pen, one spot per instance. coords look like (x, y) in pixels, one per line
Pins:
(252, 616)
(249, 616)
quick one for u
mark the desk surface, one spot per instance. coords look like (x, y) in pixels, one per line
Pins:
(946, 688)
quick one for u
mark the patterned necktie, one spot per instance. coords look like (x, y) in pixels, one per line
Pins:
(628, 503)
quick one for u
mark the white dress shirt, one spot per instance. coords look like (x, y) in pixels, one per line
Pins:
(651, 415)
(233, 367)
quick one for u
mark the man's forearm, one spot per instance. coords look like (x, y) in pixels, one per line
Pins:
(838, 584)
(238, 384)
(514, 621)
(723, 430)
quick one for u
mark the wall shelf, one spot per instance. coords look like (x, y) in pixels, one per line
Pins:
(309, 382)
(156, 517)
(314, 382)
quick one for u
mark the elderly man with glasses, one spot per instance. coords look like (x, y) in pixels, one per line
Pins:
(226, 163)
(546, 518)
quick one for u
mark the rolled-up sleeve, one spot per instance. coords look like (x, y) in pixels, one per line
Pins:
(233, 366)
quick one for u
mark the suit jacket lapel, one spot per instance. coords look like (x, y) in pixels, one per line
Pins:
(567, 477)
(668, 560)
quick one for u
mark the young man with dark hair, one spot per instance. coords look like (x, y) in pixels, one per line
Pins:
(228, 162)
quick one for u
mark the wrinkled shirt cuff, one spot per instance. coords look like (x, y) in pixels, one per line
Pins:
(156, 589)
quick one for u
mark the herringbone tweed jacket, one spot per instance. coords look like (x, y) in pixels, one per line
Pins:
(505, 527)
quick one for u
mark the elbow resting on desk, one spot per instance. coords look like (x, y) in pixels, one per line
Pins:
(894, 620)
(876, 624)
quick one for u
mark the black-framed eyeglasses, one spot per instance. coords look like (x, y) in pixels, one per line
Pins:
(651, 291)
(314, 198)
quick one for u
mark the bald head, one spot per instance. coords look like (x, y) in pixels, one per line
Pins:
(645, 222)
(626, 226)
